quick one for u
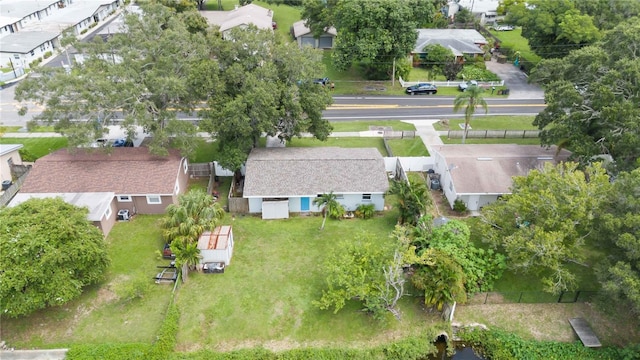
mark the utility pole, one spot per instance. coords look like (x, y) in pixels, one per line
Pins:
(393, 74)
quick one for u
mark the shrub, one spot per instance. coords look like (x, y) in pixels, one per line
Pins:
(166, 339)
(35, 63)
(84, 31)
(365, 211)
(48, 54)
(133, 351)
(459, 206)
(471, 72)
(26, 155)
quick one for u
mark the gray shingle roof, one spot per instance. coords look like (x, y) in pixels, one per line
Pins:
(460, 41)
(131, 171)
(282, 172)
(22, 42)
(300, 29)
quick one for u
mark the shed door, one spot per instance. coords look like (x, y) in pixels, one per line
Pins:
(304, 204)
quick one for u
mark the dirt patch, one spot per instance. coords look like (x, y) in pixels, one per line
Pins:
(551, 321)
(442, 208)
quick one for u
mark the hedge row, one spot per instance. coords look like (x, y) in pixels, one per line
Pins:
(166, 339)
(499, 345)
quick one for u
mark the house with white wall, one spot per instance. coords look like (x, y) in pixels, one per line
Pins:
(9, 156)
(240, 17)
(479, 174)
(280, 181)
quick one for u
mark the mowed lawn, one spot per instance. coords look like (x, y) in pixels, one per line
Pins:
(38, 147)
(265, 297)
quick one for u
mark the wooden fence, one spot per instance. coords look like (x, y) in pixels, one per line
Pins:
(494, 134)
(13, 189)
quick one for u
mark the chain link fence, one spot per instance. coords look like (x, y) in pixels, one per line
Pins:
(531, 297)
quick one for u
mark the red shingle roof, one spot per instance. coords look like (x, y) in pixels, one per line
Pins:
(130, 171)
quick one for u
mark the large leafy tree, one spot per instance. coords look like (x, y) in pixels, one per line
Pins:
(266, 88)
(50, 252)
(543, 225)
(470, 99)
(437, 57)
(364, 269)
(618, 230)
(593, 104)
(370, 33)
(553, 27)
(607, 14)
(144, 77)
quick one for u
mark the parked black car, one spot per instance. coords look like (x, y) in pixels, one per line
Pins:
(423, 88)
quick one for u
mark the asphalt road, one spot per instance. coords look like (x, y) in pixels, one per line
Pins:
(344, 108)
(347, 108)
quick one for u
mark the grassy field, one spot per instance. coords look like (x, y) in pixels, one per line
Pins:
(39, 147)
(490, 123)
(347, 142)
(396, 125)
(408, 147)
(529, 141)
(264, 298)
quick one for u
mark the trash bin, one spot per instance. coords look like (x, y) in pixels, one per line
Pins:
(6, 184)
(505, 92)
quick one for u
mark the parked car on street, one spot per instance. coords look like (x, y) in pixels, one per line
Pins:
(422, 88)
(322, 81)
(465, 85)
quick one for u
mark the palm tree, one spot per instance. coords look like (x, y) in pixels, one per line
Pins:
(330, 206)
(195, 213)
(471, 98)
(187, 256)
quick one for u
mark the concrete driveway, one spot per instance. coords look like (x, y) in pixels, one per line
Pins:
(515, 80)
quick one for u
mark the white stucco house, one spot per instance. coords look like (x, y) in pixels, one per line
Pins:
(304, 36)
(9, 156)
(483, 10)
(280, 181)
(479, 174)
(240, 17)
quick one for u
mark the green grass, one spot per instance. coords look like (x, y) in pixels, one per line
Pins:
(396, 125)
(528, 141)
(408, 147)
(39, 147)
(265, 296)
(347, 142)
(513, 39)
(267, 292)
(491, 123)
(9, 129)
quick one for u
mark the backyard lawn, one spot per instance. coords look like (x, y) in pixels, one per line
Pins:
(367, 125)
(493, 122)
(347, 142)
(514, 40)
(264, 298)
(408, 147)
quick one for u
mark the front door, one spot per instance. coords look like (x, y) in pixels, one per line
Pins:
(304, 204)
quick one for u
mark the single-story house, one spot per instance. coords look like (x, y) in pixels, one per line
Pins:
(479, 174)
(460, 41)
(23, 47)
(483, 10)
(279, 181)
(131, 179)
(9, 156)
(303, 35)
(216, 246)
(242, 17)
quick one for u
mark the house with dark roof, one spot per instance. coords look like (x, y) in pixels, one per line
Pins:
(280, 181)
(304, 37)
(479, 174)
(121, 181)
(460, 41)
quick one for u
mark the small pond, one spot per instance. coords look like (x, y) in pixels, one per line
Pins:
(462, 352)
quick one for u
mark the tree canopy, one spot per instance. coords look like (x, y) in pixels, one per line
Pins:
(593, 100)
(50, 252)
(618, 229)
(265, 87)
(553, 27)
(543, 225)
(165, 67)
(371, 33)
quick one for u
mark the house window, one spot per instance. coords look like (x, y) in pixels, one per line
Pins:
(366, 197)
(107, 214)
(124, 198)
(186, 166)
(154, 199)
(451, 186)
(16, 56)
(32, 53)
(177, 187)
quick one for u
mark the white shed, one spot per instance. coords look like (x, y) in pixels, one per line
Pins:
(216, 246)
